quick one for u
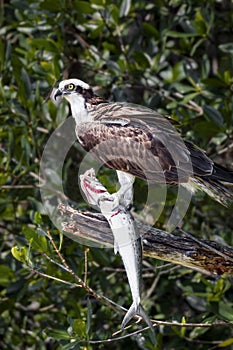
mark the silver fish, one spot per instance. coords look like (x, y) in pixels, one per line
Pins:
(127, 240)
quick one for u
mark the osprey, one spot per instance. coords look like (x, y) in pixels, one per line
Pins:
(137, 141)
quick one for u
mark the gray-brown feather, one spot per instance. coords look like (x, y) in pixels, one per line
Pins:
(137, 141)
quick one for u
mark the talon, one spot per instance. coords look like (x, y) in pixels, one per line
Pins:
(129, 207)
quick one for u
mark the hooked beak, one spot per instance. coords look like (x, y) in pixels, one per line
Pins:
(58, 93)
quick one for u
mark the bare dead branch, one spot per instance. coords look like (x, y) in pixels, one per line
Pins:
(179, 247)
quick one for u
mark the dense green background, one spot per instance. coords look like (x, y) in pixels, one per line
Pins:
(173, 56)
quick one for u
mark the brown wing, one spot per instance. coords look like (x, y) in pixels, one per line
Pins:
(138, 141)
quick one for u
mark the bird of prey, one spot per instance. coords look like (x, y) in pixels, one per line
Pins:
(138, 142)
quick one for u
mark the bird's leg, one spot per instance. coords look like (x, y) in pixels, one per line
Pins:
(125, 194)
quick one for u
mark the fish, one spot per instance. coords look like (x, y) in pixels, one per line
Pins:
(127, 240)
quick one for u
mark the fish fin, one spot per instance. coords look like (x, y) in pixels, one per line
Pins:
(138, 310)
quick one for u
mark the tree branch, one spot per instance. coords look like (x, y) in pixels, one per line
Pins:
(179, 247)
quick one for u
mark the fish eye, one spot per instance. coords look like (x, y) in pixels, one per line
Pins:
(70, 87)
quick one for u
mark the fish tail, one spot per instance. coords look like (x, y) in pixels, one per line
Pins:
(138, 310)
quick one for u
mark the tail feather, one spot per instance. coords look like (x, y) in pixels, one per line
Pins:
(221, 192)
(221, 174)
(137, 310)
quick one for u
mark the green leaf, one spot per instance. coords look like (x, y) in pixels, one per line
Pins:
(19, 253)
(95, 33)
(174, 34)
(228, 78)
(188, 97)
(226, 310)
(37, 218)
(89, 315)
(58, 334)
(214, 83)
(141, 59)
(43, 44)
(37, 239)
(214, 115)
(74, 345)
(149, 30)
(200, 23)
(183, 88)
(83, 7)
(51, 6)
(115, 13)
(26, 148)
(226, 343)
(198, 332)
(125, 8)
(47, 66)
(79, 327)
(6, 275)
(26, 83)
(205, 128)
(196, 45)
(228, 48)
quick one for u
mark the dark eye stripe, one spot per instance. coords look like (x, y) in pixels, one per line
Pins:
(79, 89)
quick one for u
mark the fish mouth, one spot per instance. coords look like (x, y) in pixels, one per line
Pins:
(91, 187)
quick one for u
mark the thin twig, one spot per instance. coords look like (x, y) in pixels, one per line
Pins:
(162, 323)
(156, 280)
(97, 296)
(42, 274)
(226, 149)
(86, 264)
(14, 187)
(68, 268)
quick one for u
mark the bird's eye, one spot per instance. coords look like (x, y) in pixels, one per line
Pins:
(70, 87)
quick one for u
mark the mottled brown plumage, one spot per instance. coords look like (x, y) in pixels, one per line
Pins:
(139, 141)
(123, 141)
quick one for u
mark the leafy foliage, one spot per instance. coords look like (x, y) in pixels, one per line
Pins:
(173, 56)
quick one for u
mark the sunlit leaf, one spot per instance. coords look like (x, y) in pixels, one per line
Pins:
(226, 343)
(200, 23)
(19, 253)
(58, 334)
(125, 7)
(228, 47)
(79, 327)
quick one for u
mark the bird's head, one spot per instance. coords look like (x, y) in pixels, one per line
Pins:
(78, 94)
(73, 90)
